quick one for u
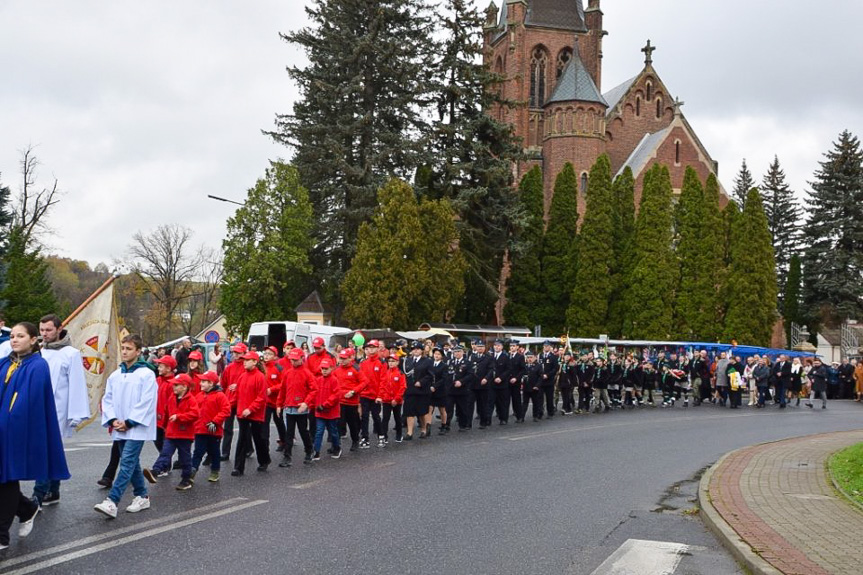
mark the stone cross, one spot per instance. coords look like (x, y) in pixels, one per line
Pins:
(648, 53)
(677, 105)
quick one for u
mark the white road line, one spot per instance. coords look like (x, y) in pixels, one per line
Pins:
(640, 557)
(109, 444)
(70, 449)
(113, 534)
(308, 484)
(130, 539)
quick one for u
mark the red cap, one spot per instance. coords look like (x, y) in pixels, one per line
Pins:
(326, 363)
(240, 348)
(289, 342)
(273, 349)
(393, 356)
(296, 354)
(346, 353)
(184, 379)
(251, 355)
(210, 376)
(196, 356)
(318, 342)
(373, 343)
(168, 360)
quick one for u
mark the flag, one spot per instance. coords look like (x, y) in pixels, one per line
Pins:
(94, 331)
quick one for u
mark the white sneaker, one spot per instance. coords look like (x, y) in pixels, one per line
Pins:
(138, 504)
(3, 546)
(26, 527)
(107, 507)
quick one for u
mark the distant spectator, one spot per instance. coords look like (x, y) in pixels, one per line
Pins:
(182, 355)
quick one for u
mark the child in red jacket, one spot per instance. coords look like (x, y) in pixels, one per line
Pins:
(393, 385)
(165, 381)
(214, 408)
(251, 408)
(274, 388)
(349, 396)
(182, 413)
(298, 385)
(196, 368)
(326, 402)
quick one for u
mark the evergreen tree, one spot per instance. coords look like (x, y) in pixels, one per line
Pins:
(266, 251)
(622, 247)
(408, 268)
(27, 293)
(473, 156)
(557, 268)
(651, 285)
(359, 116)
(5, 223)
(783, 219)
(833, 261)
(587, 315)
(730, 215)
(791, 302)
(524, 288)
(743, 182)
(752, 283)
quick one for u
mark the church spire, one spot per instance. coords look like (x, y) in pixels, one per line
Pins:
(648, 53)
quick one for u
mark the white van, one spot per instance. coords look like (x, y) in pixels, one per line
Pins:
(263, 334)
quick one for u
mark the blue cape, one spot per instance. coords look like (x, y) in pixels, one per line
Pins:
(30, 444)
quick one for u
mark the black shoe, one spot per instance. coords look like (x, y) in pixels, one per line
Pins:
(336, 453)
(355, 447)
(263, 468)
(105, 483)
(225, 457)
(307, 460)
(249, 454)
(236, 473)
(462, 429)
(316, 456)
(286, 461)
(184, 485)
(280, 448)
(520, 420)
(206, 461)
(409, 437)
(502, 422)
(50, 499)
(482, 425)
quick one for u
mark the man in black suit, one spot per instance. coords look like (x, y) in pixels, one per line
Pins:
(500, 381)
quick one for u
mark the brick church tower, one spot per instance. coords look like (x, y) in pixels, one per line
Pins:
(549, 53)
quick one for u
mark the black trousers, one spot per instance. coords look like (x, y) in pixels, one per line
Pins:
(584, 395)
(515, 399)
(13, 504)
(396, 412)
(373, 409)
(228, 436)
(736, 396)
(566, 396)
(463, 410)
(297, 422)
(350, 420)
(481, 401)
(550, 408)
(501, 402)
(280, 425)
(251, 432)
(534, 396)
(111, 471)
(158, 442)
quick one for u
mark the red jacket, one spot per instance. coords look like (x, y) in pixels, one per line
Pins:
(252, 394)
(166, 391)
(393, 386)
(195, 388)
(371, 371)
(298, 386)
(214, 407)
(186, 410)
(326, 397)
(349, 380)
(315, 359)
(274, 383)
(229, 377)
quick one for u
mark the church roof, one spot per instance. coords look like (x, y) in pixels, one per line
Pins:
(576, 84)
(644, 151)
(616, 94)
(560, 14)
(313, 304)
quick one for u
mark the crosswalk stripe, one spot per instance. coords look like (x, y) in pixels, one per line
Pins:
(640, 557)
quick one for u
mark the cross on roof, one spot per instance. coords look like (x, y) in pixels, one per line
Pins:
(648, 53)
(677, 105)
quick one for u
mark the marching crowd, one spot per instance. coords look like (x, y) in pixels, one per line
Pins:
(358, 393)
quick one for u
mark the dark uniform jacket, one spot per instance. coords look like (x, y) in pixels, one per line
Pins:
(417, 370)
(438, 377)
(482, 366)
(500, 367)
(461, 371)
(532, 377)
(516, 368)
(550, 365)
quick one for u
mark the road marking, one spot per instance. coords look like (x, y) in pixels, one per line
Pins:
(70, 449)
(114, 533)
(109, 444)
(308, 484)
(640, 557)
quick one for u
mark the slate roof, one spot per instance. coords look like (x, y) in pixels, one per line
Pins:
(644, 151)
(576, 84)
(559, 14)
(614, 95)
(313, 304)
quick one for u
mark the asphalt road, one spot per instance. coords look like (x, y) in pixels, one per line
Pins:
(557, 496)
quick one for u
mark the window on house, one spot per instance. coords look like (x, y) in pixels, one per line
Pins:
(538, 65)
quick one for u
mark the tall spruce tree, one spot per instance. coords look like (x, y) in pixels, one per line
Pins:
(783, 219)
(359, 117)
(650, 288)
(743, 182)
(27, 293)
(557, 267)
(587, 315)
(408, 268)
(473, 155)
(524, 288)
(623, 231)
(752, 284)
(5, 223)
(688, 304)
(791, 301)
(833, 260)
(730, 215)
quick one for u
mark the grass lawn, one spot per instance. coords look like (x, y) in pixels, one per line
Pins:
(847, 468)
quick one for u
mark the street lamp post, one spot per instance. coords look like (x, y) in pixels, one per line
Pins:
(225, 200)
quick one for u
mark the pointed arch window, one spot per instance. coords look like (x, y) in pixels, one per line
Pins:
(538, 67)
(649, 91)
(563, 59)
(638, 106)
(584, 182)
(676, 152)
(658, 108)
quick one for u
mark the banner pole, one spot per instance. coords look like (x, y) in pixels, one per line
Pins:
(87, 301)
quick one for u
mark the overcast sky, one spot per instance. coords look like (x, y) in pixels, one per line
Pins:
(141, 109)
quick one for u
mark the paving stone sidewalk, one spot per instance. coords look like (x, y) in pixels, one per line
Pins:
(775, 507)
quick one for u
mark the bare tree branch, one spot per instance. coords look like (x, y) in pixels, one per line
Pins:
(34, 203)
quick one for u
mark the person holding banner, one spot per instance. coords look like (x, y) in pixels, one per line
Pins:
(29, 433)
(70, 392)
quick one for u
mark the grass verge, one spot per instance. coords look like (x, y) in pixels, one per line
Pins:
(847, 469)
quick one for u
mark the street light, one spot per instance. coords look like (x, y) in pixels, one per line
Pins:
(225, 200)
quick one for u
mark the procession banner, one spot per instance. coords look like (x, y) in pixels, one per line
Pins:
(94, 331)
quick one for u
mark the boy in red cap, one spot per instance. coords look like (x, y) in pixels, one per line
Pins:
(165, 365)
(182, 412)
(196, 368)
(229, 384)
(349, 396)
(393, 387)
(251, 407)
(371, 372)
(273, 371)
(214, 408)
(320, 354)
(298, 385)
(325, 399)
